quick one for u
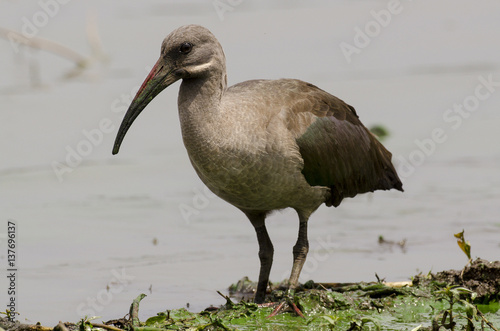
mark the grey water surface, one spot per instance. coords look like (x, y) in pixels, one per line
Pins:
(96, 230)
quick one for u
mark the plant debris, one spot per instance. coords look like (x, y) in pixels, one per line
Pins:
(481, 277)
(465, 299)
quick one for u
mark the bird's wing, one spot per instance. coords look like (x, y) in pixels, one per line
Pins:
(337, 149)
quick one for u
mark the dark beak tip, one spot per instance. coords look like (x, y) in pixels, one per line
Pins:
(152, 85)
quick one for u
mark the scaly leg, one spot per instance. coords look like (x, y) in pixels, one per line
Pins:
(300, 251)
(299, 258)
(266, 252)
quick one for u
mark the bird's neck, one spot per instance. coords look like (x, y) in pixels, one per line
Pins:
(201, 91)
(199, 106)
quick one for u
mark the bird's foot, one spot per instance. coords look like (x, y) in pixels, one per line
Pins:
(286, 302)
(282, 307)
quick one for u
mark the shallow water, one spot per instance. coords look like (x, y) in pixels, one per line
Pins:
(113, 227)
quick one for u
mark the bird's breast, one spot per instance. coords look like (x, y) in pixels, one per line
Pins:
(252, 161)
(245, 169)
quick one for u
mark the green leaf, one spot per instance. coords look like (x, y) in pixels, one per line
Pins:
(370, 320)
(330, 319)
(156, 320)
(464, 245)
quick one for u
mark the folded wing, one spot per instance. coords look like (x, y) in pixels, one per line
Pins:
(337, 149)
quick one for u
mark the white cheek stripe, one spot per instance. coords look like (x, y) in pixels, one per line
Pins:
(200, 68)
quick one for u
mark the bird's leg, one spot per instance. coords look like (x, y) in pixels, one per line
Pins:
(299, 257)
(266, 252)
(299, 252)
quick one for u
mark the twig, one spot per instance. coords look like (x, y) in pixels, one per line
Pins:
(338, 285)
(224, 296)
(323, 287)
(93, 37)
(485, 320)
(43, 44)
(229, 302)
(398, 284)
(37, 327)
(104, 326)
(32, 327)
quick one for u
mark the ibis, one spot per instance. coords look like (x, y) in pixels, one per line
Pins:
(264, 145)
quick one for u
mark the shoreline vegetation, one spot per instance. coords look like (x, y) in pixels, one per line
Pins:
(467, 299)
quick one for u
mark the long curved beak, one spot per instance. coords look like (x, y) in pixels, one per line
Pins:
(158, 79)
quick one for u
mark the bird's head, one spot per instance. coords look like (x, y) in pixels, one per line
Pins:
(188, 52)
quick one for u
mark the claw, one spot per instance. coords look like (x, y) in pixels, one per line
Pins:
(297, 310)
(277, 309)
(282, 307)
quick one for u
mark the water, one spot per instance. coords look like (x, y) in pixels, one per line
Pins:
(112, 227)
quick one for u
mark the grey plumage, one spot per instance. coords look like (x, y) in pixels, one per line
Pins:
(264, 145)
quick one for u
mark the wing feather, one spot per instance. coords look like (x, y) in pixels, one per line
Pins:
(337, 149)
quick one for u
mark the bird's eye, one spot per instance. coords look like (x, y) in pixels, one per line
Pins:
(185, 48)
